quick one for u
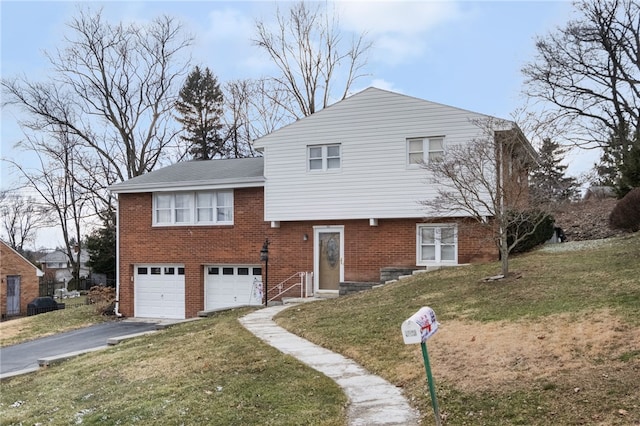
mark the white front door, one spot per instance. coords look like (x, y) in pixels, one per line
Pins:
(159, 291)
(328, 258)
(228, 286)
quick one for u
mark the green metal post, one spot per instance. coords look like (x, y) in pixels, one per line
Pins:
(432, 386)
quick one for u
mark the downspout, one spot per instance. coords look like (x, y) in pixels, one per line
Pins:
(117, 307)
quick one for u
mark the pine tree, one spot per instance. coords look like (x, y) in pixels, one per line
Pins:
(548, 180)
(200, 106)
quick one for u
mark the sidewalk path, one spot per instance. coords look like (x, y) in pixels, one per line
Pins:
(373, 400)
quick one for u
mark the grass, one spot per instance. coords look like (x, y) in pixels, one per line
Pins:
(210, 371)
(559, 345)
(75, 315)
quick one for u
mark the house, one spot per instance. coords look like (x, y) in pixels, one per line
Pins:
(337, 194)
(19, 282)
(55, 264)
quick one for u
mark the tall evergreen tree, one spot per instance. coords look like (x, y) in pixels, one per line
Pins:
(101, 245)
(200, 107)
(619, 166)
(548, 180)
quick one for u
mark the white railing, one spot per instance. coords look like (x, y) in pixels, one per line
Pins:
(305, 282)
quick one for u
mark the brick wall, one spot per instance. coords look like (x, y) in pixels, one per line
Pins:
(193, 246)
(367, 248)
(13, 264)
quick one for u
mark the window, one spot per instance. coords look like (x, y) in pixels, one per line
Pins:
(437, 244)
(324, 157)
(193, 208)
(424, 149)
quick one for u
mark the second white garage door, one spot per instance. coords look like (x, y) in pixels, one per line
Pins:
(159, 291)
(228, 286)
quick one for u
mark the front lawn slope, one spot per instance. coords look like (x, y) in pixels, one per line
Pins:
(207, 372)
(559, 345)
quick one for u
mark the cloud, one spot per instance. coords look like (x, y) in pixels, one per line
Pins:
(399, 30)
(225, 43)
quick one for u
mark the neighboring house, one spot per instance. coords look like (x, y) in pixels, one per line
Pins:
(19, 282)
(337, 193)
(55, 264)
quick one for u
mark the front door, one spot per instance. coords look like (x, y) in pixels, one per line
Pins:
(13, 295)
(329, 253)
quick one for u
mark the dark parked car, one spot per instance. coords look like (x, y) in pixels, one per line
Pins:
(43, 304)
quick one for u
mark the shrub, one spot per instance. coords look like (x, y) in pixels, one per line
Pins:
(626, 213)
(525, 222)
(104, 299)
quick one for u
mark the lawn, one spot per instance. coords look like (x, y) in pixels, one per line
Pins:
(207, 372)
(75, 315)
(559, 345)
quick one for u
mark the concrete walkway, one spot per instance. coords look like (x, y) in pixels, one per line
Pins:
(373, 400)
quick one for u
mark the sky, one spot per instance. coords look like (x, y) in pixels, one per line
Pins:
(466, 54)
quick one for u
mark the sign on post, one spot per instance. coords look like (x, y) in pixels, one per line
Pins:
(417, 329)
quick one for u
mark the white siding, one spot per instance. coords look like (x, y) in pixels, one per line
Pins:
(374, 180)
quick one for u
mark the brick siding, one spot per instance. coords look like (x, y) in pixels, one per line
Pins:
(13, 264)
(367, 248)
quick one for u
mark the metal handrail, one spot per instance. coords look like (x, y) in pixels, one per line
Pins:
(279, 286)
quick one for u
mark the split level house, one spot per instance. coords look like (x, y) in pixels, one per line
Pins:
(337, 195)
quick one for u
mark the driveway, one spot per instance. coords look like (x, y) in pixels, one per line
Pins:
(25, 356)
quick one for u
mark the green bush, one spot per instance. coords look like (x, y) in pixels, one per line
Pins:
(626, 214)
(522, 223)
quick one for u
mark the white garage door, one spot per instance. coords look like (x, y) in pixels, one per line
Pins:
(159, 291)
(230, 286)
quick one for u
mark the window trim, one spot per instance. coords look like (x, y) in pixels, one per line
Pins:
(438, 252)
(426, 149)
(193, 208)
(324, 158)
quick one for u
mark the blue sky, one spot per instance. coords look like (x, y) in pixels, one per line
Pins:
(466, 54)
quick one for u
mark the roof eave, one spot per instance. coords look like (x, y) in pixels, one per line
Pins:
(187, 185)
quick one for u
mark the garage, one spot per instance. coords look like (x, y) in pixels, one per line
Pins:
(159, 291)
(228, 286)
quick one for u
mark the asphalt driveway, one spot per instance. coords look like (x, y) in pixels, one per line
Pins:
(25, 356)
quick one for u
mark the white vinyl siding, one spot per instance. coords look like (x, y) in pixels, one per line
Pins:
(437, 244)
(193, 208)
(374, 180)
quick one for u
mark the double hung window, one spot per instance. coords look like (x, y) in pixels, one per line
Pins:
(437, 244)
(193, 208)
(324, 157)
(421, 150)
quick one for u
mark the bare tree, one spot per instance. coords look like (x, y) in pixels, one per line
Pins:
(55, 182)
(250, 114)
(316, 66)
(486, 179)
(112, 91)
(587, 74)
(21, 218)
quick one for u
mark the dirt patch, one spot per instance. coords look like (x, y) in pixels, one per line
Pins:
(12, 328)
(483, 356)
(587, 219)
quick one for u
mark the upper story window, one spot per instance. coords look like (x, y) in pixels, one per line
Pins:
(421, 150)
(193, 208)
(324, 157)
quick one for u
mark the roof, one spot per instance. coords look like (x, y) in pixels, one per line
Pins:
(60, 256)
(201, 174)
(390, 98)
(38, 270)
